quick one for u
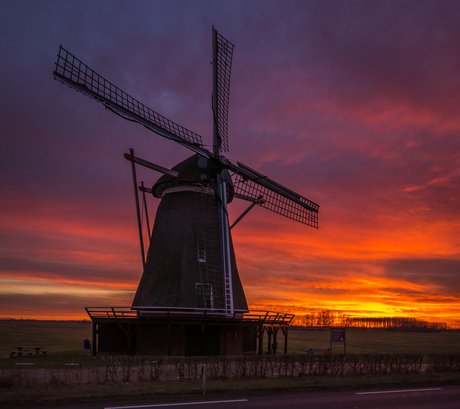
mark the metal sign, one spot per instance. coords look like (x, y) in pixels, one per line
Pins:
(338, 335)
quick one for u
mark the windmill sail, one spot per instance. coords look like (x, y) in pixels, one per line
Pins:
(73, 72)
(253, 186)
(222, 55)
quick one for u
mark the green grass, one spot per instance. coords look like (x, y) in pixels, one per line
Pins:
(403, 342)
(53, 336)
(63, 342)
(62, 339)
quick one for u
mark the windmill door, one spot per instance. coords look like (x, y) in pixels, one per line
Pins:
(202, 340)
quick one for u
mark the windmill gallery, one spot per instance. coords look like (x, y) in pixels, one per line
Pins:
(190, 300)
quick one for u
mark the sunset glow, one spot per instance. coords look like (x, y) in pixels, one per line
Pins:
(352, 104)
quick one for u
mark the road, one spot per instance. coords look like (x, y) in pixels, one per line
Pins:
(423, 398)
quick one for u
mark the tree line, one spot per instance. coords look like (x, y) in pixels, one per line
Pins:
(330, 318)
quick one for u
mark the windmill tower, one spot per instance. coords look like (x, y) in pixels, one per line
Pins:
(184, 265)
(190, 264)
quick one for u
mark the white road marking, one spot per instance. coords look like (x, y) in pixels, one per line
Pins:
(159, 405)
(400, 391)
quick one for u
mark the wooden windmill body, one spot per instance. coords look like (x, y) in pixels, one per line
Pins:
(184, 262)
(190, 266)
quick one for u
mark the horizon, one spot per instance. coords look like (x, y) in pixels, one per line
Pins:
(352, 105)
(300, 321)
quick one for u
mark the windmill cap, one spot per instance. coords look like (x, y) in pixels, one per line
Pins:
(194, 171)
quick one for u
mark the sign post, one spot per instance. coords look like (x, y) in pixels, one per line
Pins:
(202, 377)
(338, 335)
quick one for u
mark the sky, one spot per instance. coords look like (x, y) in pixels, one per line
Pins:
(352, 104)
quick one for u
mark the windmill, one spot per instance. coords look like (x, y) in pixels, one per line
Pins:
(191, 261)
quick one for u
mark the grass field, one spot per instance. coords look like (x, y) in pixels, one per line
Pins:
(59, 337)
(64, 343)
(53, 336)
(396, 342)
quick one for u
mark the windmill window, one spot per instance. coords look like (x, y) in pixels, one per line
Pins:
(204, 296)
(201, 255)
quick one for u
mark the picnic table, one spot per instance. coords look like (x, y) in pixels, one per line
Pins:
(37, 351)
(20, 351)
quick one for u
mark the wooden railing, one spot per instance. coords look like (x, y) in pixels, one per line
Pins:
(176, 313)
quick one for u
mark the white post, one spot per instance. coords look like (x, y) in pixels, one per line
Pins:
(204, 379)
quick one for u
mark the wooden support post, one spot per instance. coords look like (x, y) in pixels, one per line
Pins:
(129, 339)
(269, 332)
(261, 339)
(146, 210)
(330, 336)
(202, 338)
(275, 339)
(169, 339)
(139, 222)
(94, 347)
(285, 332)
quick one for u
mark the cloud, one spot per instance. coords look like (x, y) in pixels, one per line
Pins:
(434, 274)
(58, 305)
(351, 104)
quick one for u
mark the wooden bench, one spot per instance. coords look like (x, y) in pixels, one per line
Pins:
(378, 350)
(326, 350)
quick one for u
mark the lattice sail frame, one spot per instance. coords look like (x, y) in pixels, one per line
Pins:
(71, 71)
(222, 51)
(253, 186)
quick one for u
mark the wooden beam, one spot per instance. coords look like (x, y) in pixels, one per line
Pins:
(275, 339)
(261, 339)
(285, 332)
(129, 339)
(94, 346)
(269, 332)
(169, 352)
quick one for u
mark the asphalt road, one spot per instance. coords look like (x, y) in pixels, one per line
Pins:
(423, 398)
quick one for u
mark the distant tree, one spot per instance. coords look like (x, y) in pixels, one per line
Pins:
(309, 320)
(325, 318)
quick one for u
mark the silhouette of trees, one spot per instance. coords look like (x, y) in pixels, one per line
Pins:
(328, 318)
